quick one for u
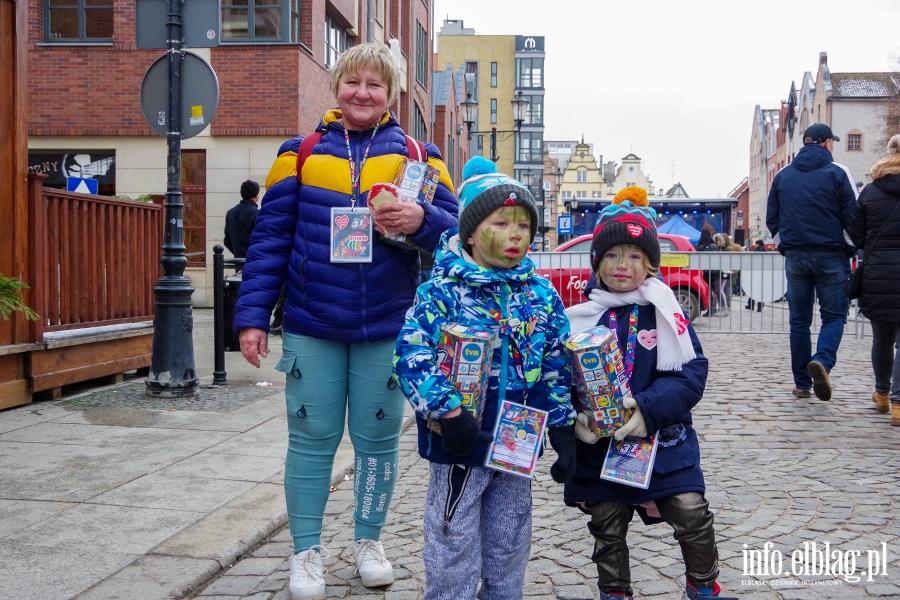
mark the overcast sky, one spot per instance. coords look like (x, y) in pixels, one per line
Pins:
(678, 80)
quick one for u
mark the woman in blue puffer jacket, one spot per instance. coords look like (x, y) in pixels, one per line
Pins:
(347, 293)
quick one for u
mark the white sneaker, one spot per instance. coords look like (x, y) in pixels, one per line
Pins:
(308, 575)
(371, 564)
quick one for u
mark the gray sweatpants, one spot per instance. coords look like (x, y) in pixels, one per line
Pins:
(477, 525)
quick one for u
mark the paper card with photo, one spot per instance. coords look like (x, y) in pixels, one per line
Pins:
(517, 439)
(630, 461)
(351, 235)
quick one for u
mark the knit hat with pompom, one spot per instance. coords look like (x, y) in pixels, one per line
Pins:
(483, 191)
(628, 220)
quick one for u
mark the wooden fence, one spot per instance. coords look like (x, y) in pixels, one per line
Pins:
(95, 259)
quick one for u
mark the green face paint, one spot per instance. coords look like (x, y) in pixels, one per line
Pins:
(502, 239)
(622, 268)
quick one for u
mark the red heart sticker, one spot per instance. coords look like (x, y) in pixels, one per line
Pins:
(634, 230)
(680, 323)
(341, 221)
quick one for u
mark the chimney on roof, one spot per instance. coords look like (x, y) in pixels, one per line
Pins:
(823, 58)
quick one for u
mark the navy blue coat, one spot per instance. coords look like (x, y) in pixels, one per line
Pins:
(344, 302)
(811, 203)
(665, 399)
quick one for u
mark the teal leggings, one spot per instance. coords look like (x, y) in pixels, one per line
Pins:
(323, 379)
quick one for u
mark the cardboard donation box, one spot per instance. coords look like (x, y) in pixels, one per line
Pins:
(464, 357)
(599, 376)
(415, 183)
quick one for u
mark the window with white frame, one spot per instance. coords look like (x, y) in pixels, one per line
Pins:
(336, 41)
(260, 21)
(596, 194)
(530, 72)
(546, 185)
(567, 195)
(535, 113)
(493, 110)
(581, 194)
(530, 146)
(78, 20)
(581, 175)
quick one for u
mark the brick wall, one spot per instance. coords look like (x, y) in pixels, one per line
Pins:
(265, 89)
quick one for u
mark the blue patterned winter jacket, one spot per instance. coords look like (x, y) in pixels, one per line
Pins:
(463, 292)
(345, 302)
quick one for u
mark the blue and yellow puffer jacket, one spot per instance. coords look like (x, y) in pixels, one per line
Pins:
(345, 302)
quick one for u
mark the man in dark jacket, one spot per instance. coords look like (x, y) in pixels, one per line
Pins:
(810, 205)
(240, 220)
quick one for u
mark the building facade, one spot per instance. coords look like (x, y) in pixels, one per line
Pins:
(272, 66)
(450, 134)
(498, 69)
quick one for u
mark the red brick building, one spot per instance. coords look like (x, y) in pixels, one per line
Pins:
(84, 82)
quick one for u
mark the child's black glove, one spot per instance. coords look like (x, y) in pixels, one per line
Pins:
(563, 441)
(460, 434)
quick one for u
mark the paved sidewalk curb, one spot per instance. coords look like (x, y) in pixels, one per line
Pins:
(184, 563)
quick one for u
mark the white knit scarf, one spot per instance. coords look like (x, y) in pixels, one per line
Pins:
(673, 342)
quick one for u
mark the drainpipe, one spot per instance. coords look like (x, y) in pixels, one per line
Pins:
(370, 21)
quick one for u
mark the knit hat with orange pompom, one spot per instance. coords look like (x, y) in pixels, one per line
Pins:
(628, 220)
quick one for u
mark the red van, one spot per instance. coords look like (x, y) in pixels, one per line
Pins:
(570, 276)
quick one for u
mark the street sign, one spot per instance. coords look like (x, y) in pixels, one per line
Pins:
(564, 224)
(201, 24)
(199, 95)
(82, 186)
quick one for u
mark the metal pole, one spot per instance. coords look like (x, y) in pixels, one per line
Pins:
(494, 157)
(172, 373)
(219, 375)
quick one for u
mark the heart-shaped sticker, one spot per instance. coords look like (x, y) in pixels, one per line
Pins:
(341, 221)
(681, 323)
(634, 230)
(647, 338)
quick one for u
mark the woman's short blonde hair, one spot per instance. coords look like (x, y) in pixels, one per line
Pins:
(375, 56)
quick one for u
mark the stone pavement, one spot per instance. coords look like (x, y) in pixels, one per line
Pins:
(778, 470)
(109, 494)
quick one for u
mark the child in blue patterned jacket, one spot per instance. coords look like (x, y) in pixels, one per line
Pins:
(478, 520)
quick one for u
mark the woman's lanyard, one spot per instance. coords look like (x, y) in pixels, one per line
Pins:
(632, 337)
(354, 176)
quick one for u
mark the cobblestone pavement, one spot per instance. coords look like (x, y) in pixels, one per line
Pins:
(778, 470)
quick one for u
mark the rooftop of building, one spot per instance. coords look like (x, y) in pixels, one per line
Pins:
(865, 85)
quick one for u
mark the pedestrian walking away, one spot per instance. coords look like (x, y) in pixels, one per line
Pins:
(667, 374)
(347, 293)
(477, 522)
(876, 229)
(241, 219)
(809, 209)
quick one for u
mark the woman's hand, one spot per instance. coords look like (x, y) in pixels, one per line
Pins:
(400, 217)
(254, 343)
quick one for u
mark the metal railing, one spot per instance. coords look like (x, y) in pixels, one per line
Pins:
(734, 292)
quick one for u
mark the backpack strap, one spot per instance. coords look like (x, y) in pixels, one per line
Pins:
(416, 149)
(306, 147)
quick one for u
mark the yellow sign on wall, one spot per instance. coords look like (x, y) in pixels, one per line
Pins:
(674, 259)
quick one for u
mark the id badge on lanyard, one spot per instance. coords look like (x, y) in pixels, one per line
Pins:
(351, 235)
